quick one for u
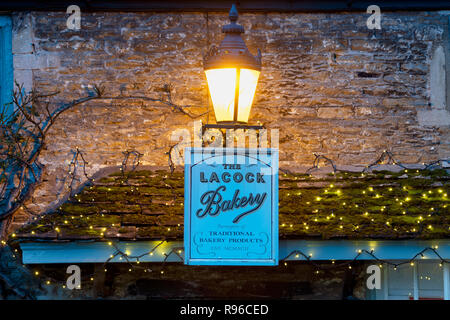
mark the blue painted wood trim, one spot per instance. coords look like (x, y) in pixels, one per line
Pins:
(99, 252)
(6, 64)
(347, 250)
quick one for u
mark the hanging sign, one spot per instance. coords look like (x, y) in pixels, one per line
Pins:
(231, 206)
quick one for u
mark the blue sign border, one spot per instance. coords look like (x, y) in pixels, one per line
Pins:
(194, 156)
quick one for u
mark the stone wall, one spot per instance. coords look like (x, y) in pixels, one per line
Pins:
(328, 83)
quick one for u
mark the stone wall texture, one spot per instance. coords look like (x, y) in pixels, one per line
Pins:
(328, 83)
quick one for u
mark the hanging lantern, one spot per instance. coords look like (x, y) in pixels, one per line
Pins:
(232, 73)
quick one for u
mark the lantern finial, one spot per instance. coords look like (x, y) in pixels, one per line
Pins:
(232, 50)
(233, 13)
(233, 27)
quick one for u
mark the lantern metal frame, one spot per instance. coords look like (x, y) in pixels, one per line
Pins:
(232, 53)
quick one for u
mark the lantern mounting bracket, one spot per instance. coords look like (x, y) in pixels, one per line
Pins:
(231, 126)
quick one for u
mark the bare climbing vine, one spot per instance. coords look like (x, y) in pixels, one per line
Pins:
(24, 125)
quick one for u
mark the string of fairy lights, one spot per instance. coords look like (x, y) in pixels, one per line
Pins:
(73, 168)
(387, 155)
(400, 201)
(331, 190)
(385, 158)
(360, 252)
(136, 156)
(135, 262)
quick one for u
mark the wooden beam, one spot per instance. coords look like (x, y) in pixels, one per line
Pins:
(99, 252)
(221, 5)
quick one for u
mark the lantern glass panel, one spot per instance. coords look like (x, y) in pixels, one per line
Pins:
(247, 87)
(222, 87)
